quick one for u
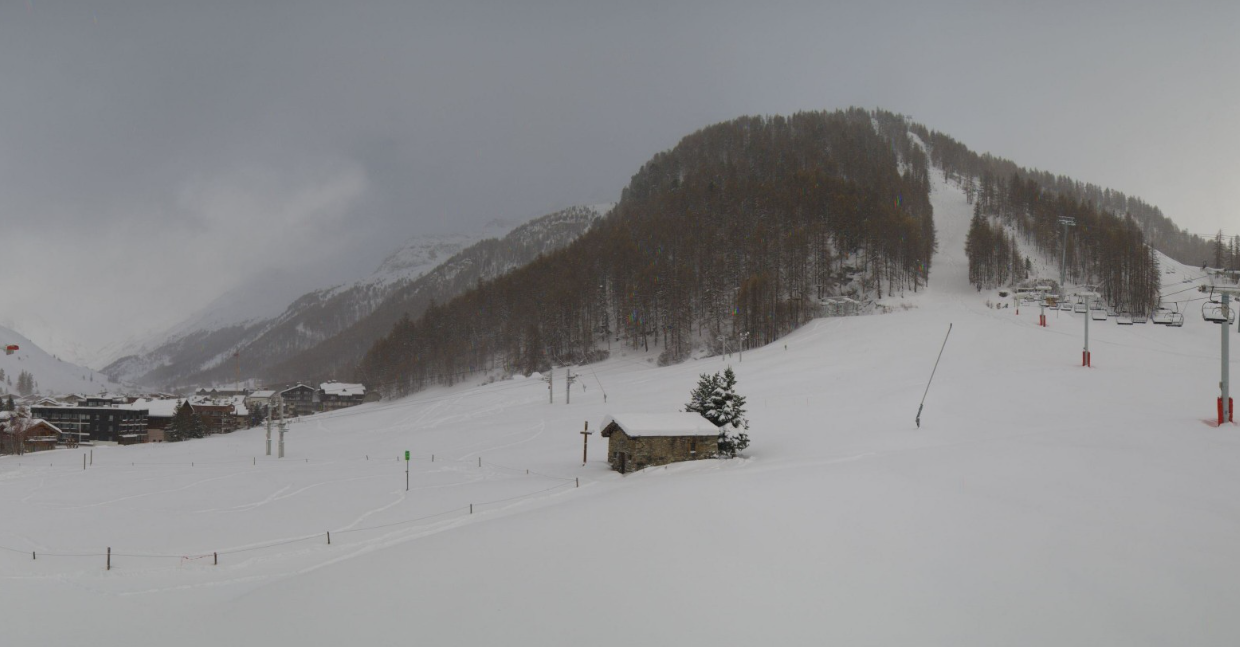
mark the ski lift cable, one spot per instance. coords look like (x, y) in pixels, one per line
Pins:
(1183, 281)
(1178, 291)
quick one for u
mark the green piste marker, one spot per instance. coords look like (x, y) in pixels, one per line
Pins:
(406, 454)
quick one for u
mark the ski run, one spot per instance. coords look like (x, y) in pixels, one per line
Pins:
(1039, 503)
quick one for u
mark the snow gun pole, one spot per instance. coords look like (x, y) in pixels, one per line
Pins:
(936, 368)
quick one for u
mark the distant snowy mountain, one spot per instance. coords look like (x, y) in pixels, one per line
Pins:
(244, 314)
(243, 325)
(483, 261)
(52, 375)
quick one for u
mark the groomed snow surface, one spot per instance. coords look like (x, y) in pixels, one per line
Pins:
(1040, 503)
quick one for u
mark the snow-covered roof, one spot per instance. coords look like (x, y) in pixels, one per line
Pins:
(39, 421)
(36, 422)
(156, 408)
(239, 408)
(342, 389)
(662, 424)
(202, 401)
(259, 395)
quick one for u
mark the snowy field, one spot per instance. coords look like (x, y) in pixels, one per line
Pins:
(1040, 503)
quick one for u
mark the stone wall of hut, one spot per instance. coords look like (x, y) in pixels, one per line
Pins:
(646, 451)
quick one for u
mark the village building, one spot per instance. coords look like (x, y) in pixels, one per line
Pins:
(301, 399)
(639, 440)
(338, 395)
(104, 400)
(95, 423)
(221, 393)
(160, 412)
(258, 399)
(20, 435)
(217, 415)
(241, 413)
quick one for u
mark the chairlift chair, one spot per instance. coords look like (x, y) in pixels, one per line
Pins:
(1098, 314)
(1123, 319)
(1162, 316)
(1213, 312)
(1177, 317)
(1139, 319)
(1080, 307)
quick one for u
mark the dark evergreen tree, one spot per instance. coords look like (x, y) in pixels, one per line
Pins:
(256, 416)
(715, 398)
(185, 424)
(25, 384)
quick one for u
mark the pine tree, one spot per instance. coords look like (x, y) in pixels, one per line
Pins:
(25, 384)
(715, 398)
(185, 424)
(9, 405)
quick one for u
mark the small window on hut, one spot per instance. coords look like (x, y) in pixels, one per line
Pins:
(693, 445)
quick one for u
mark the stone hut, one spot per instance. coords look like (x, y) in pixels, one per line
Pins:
(638, 440)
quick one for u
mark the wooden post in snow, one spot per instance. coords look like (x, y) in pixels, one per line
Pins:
(585, 442)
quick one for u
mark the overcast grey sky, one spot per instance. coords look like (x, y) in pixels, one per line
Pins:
(154, 154)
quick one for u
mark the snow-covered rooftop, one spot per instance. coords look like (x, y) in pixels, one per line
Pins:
(39, 421)
(662, 424)
(156, 408)
(342, 389)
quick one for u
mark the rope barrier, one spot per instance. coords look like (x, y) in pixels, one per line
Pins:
(293, 540)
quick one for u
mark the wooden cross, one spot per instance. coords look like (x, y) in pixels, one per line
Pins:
(585, 442)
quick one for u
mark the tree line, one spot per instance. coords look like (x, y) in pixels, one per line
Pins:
(1101, 249)
(968, 168)
(732, 237)
(993, 253)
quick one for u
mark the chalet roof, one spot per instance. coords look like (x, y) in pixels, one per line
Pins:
(41, 422)
(36, 423)
(342, 389)
(209, 405)
(661, 424)
(158, 408)
(259, 395)
(239, 407)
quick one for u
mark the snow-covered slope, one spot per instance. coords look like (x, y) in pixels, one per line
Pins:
(52, 375)
(1040, 503)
